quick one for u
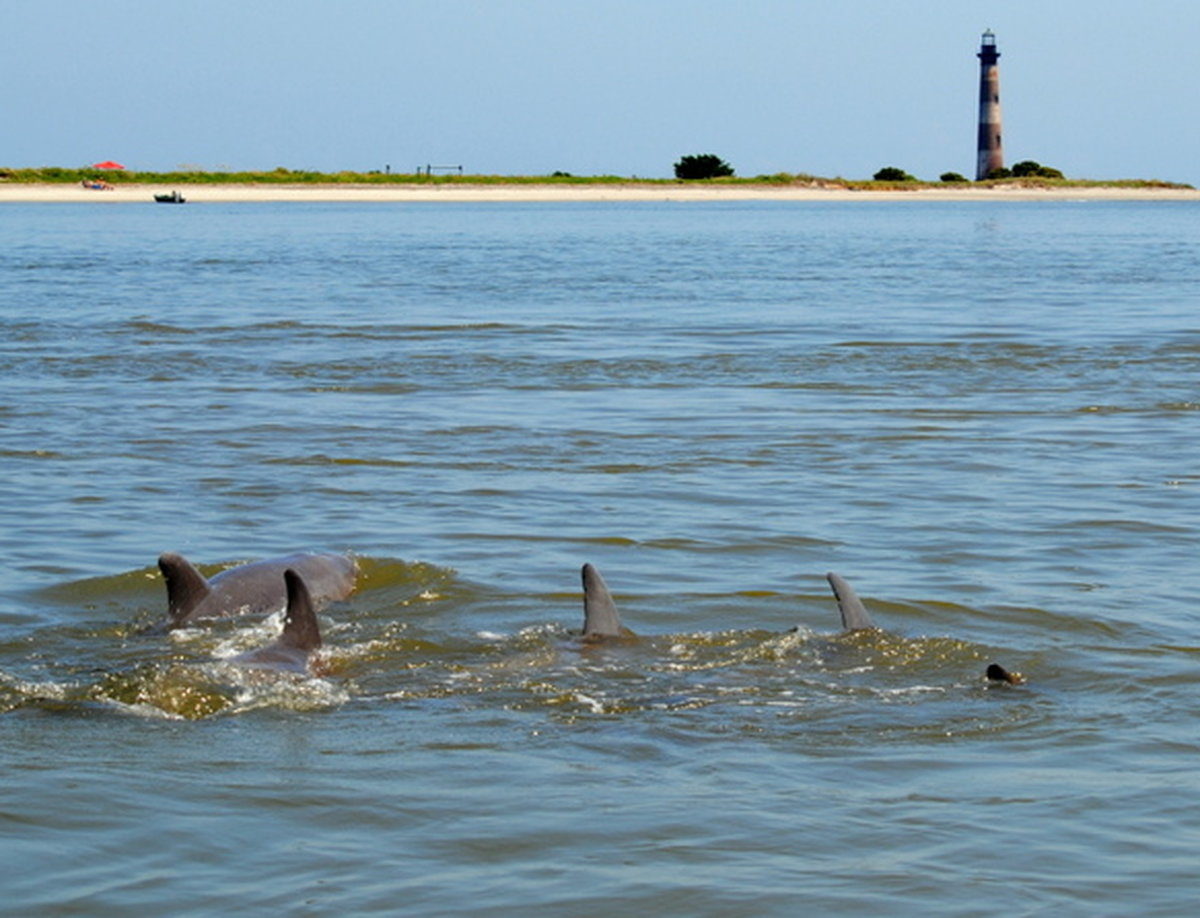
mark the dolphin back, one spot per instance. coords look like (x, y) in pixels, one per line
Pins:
(854, 613)
(254, 588)
(329, 578)
(600, 616)
(186, 586)
(300, 629)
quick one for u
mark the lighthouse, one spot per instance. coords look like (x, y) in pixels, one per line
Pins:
(990, 153)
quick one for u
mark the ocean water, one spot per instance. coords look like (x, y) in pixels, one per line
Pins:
(982, 414)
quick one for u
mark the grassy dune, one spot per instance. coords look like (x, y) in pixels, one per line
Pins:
(281, 176)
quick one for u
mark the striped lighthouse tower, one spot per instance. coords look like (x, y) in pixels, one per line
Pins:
(990, 153)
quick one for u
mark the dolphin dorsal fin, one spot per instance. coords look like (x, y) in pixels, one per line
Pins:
(854, 613)
(300, 629)
(186, 586)
(600, 616)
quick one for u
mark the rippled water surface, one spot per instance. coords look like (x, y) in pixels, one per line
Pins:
(984, 415)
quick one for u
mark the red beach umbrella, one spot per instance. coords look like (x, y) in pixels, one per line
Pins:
(107, 164)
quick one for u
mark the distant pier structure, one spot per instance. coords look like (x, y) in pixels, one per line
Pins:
(990, 152)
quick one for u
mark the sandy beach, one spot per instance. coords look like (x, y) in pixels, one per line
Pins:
(632, 191)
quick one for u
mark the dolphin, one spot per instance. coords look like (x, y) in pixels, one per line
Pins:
(855, 618)
(997, 673)
(854, 613)
(255, 588)
(301, 634)
(601, 621)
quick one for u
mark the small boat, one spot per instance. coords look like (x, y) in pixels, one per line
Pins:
(173, 198)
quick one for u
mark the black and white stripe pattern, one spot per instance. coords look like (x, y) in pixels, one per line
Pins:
(990, 153)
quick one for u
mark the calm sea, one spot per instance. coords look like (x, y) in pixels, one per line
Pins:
(984, 415)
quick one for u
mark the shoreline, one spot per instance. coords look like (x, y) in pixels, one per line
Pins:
(633, 191)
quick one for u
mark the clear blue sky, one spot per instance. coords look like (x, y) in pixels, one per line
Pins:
(1100, 89)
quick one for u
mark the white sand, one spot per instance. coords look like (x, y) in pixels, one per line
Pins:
(616, 192)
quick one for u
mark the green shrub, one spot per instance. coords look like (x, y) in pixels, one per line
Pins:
(952, 177)
(702, 166)
(893, 174)
(1029, 167)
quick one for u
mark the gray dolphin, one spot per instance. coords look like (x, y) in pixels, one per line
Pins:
(854, 613)
(855, 618)
(601, 620)
(301, 634)
(255, 588)
(997, 673)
